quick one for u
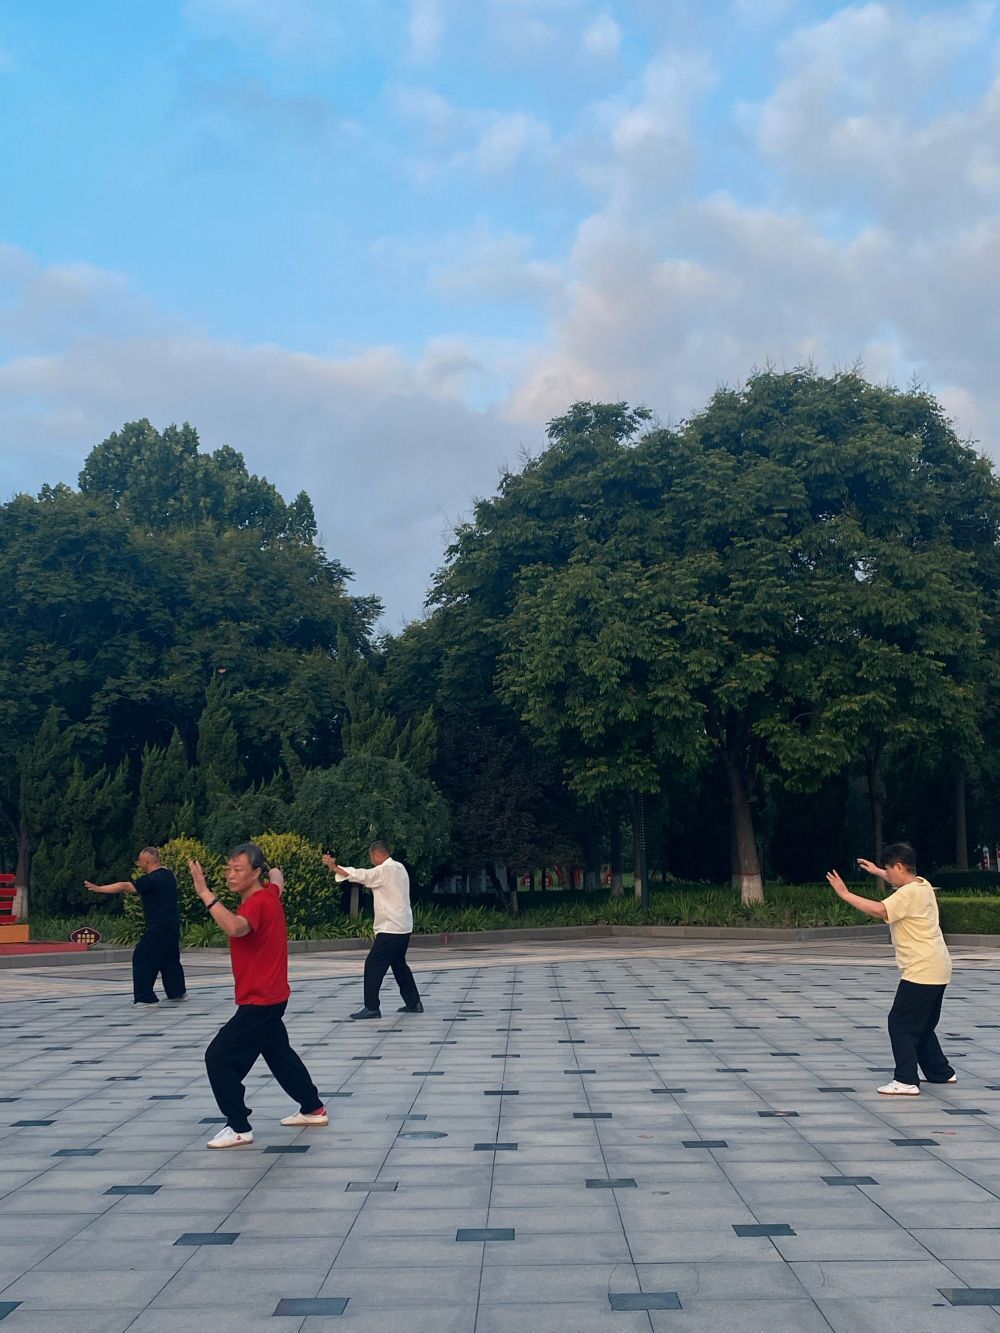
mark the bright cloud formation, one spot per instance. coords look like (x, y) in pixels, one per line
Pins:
(538, 203)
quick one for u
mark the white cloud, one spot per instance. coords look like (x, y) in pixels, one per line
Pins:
(492, 266)
(848, 126)
(426, 28)
(454, 137)
(287, 29)
(602, 37)
(385, 445)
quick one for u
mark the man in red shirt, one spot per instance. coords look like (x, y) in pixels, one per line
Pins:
(258, 947)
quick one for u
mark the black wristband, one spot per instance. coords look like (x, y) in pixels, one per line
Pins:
(209, 906)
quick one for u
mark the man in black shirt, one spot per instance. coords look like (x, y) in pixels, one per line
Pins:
(159, 950)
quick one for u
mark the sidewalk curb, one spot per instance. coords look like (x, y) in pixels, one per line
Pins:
(466, 938)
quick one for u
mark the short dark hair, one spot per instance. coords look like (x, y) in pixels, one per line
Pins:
(900, 854)
(380, 846)
(254, 855)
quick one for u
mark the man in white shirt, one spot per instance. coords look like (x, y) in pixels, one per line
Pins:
(390, 887)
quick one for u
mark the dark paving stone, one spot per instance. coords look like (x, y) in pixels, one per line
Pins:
(632, 1028)
(123, 1078)
(501, 1092)
(621, 1183)
(644, 1300)
(700, 1041)
(371, 1186)
(8, 1307)
(915, 1143)
(215, 1119)
(571, 1041)
(168, 1097)
(705, 1143)
(422, 1134)
(592, 1115)
(644, 1055)
(732, 1071)
(10, 1099)
(506, 1055)
(966, 1110)
(778, 1054)
(428, 1073)
(848, 1180)
(406, 1117)
(484, 1233)
(837, 1088)
(287, 1147)
(76, 1152)
(494, 1147)
(778, 1115)
(207, 1238)
(132, 1189)
(366, 1057)
(674, 1090)
(566, 1071)
(763, 1229)
(971, 1295)
(23, 1124)
(315, 1306)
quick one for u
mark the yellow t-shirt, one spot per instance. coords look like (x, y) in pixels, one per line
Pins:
(921, 953)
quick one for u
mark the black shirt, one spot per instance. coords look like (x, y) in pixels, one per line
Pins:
(158, 893)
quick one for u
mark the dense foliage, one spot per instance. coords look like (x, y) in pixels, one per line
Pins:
(776, 621)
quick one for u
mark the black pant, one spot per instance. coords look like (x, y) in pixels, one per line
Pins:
(255, 1030)
(389, 951)
(157, 953)
(912, 1019)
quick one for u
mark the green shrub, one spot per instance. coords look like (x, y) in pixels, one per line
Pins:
(966, 882)
(312, 895)
(976, 915)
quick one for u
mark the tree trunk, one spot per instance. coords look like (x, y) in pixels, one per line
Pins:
(961, 827)
(746, 863)
(591, 850)
(876, 797)
(512, 890)
(617, 878)
(22, 874)
(639, 846)
(355, 900)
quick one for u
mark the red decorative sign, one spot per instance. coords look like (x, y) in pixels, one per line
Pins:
(85, 935)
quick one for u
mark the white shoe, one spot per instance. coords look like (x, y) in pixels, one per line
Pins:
(229, 1138)
(319, 1117)
(897, 1089)
(953, 1079)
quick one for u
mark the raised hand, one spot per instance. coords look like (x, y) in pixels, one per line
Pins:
(198, 877)
(870, 868)
(836, 883)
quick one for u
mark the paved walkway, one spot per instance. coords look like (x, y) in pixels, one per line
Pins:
(621, 1135)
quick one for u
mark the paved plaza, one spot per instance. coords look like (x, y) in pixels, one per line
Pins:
(616, 1135)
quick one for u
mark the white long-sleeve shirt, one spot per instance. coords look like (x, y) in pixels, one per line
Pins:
(390, 886)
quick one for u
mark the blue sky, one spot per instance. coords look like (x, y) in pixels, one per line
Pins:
(376, 244)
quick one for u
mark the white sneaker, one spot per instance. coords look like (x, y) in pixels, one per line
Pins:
(319, 1117)
(953, 1079)
(229, 1138)
(897, 1089)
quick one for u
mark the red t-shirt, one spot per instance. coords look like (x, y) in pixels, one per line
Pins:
(260, 959)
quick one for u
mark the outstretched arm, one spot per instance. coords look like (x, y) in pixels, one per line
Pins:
(368, 879)
(870, 868)
(120, 886)
(867, 905)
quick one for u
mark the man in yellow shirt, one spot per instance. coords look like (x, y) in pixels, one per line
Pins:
(924, 965)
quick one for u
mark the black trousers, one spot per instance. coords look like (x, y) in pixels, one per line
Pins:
(912, 1019)
(158, 953)
(389, 951)
(255, 1030)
